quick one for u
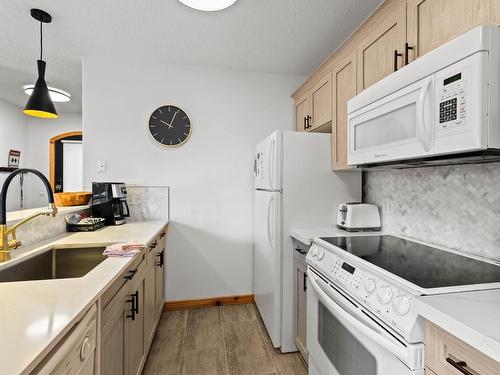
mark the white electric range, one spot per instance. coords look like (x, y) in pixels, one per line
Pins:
(361, 315)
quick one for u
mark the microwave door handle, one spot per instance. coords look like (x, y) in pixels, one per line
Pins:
(341, 313)
(423, 135)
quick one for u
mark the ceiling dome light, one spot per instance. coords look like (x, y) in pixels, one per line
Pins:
(57, 95)
(208, 5)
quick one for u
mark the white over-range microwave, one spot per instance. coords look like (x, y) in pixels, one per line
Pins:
(443, 107)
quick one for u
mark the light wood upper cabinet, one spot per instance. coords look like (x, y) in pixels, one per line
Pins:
(321, 102)
(344, 88)
(377, 50)
(302, 110)
(495, 12)
(432, 23)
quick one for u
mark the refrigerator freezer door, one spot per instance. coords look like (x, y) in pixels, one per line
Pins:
(267, 163)
(267, 261)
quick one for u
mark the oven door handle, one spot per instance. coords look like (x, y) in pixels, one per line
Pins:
(400, 352)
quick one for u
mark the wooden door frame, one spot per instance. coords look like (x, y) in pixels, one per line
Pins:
(52, 154)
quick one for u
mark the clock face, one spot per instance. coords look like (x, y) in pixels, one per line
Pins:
(170, 126)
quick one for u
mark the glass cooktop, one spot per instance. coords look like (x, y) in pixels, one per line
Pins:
(419, 264)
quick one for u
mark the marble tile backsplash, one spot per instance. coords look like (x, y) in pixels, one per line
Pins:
(42, 228)
(453, 206)
(148, 202)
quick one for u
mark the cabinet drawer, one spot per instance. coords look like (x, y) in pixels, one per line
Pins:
(443, 349)
(108, 295)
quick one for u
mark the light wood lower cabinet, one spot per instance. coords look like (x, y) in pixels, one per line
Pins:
(131, 309)
(113, 335)
(150, 307)
(301, 307)
(447, 355)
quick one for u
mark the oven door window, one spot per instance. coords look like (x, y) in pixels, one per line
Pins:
(341, 347)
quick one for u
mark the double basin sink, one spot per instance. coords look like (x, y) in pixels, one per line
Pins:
(55, 264)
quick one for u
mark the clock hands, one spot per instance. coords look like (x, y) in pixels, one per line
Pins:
(173, 118)
(166, 123)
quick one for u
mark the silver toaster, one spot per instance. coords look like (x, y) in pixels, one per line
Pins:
(354, 216)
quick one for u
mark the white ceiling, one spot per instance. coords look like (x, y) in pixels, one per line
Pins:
(282, 36)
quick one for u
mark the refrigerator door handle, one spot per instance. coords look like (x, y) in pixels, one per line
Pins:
(270, 237)
(271, 164)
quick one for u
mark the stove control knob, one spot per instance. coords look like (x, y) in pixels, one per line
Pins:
(370, 285)
(321, 254)
(314, 252)
(384, 294)
(401, 304)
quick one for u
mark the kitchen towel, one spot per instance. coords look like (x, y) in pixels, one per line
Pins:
(124, 249)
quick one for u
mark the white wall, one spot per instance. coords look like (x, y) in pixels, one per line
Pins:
(31, 136)
(12, 137)
(209, 249)
(39, 132)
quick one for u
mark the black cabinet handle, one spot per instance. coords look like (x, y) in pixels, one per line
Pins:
(305, 123)
(305, 282)
(459, 365)
(160, 261)
(302, 252)
(309, 118)
(131, 274)
(132, 308)
(407, 50)
(136, 305)
(396, 55)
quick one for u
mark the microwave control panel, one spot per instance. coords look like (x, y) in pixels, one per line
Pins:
(452, 103)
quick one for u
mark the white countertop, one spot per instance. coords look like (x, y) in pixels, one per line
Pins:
(306, 236)
(34, 315)
(473, 317)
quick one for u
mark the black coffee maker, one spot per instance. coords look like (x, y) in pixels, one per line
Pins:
(109, 201)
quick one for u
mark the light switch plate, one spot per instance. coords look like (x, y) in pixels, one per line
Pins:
(101, 166)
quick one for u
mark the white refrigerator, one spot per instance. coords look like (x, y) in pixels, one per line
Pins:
(294, 187)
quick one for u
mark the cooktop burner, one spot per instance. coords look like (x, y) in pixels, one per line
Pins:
(419, 264)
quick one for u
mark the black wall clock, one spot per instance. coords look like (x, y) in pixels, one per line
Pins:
(170, 126)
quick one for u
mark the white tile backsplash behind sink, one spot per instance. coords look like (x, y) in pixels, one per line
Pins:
(453, 206)
(148, 202)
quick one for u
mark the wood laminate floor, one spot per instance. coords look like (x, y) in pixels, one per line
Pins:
(222, 340)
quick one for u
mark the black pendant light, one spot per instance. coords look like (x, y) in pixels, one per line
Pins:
(40, 104)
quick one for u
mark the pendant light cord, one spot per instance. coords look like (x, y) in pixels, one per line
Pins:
(41, 41)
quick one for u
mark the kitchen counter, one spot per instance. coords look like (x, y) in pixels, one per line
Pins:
(35, 315)
(473, 317)
(306, 236)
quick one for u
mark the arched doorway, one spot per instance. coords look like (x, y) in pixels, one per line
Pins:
(61, 146)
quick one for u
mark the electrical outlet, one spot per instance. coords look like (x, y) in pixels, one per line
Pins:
(101, 166)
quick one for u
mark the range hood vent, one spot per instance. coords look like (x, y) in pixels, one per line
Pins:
(477, 157)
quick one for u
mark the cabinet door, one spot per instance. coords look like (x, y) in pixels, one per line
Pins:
(150, 314)
(376, 51)
(113, 337)
(161, 270)
(134, 328)
(432, 23)
(495, 12)
(321, 101)
(302, 110)
(344, 88)
(301, 313)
